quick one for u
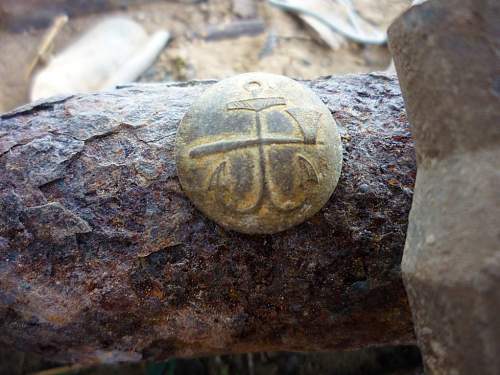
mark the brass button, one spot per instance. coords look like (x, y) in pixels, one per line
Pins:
(258, 153)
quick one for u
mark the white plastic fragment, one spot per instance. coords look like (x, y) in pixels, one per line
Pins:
(117, 50)
(339, 16)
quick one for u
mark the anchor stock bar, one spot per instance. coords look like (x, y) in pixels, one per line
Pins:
(222, 146)
(256, 104)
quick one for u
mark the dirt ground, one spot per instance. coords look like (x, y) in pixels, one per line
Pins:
(286, 46)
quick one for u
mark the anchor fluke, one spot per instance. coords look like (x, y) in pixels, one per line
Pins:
(309, 117)
(309, 172)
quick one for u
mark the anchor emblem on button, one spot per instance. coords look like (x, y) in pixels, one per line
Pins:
(260, 162)
(261, 141)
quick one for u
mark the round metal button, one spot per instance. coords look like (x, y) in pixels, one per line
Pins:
(258, 153)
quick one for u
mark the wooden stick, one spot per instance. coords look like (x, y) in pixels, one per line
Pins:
(47, 42)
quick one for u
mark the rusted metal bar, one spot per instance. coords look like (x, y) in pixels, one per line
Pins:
(103, 258)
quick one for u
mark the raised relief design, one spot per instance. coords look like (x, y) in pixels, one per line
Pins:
(305, 121)
(258, 153)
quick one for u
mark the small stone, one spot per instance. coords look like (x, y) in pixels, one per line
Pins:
(364, 188)
(258, 153)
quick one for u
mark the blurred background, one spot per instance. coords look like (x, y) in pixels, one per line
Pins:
(59, 47)
(207, 39)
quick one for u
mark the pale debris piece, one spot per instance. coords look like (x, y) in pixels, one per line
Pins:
(335, 21)
(115, 51)
(334, 40)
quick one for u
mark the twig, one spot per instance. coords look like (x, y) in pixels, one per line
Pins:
(47, 42)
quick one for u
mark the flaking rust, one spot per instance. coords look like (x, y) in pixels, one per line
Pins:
(258, 153)
(151, 278)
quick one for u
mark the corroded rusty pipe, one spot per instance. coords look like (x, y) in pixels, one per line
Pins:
(103, 258)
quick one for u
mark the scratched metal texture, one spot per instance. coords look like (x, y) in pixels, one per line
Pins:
(104, 259)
